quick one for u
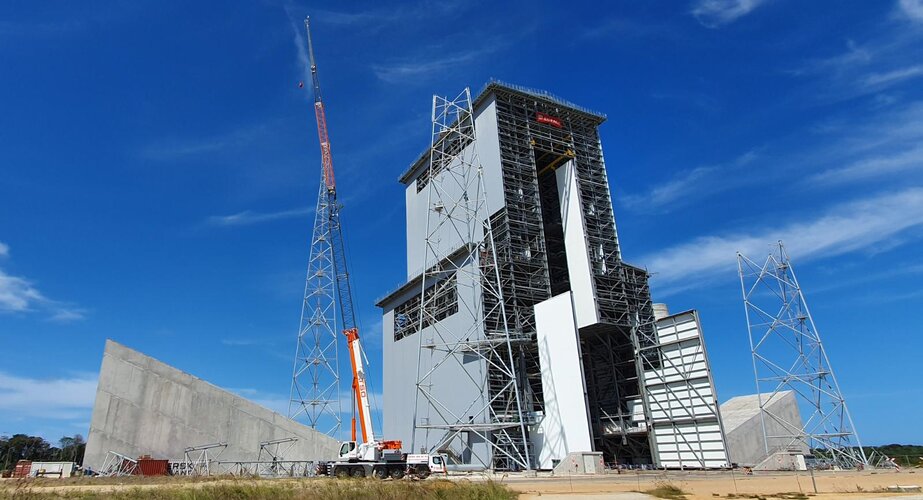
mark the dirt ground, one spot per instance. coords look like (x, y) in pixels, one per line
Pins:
(711, 485)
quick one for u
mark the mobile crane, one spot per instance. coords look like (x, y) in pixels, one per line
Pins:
(370, 457)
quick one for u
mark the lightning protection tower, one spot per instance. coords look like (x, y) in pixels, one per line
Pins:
(315, 392)
(483, 414)
(788, 355)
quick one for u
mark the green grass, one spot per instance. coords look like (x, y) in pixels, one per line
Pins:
(667, 490)
(242, 489)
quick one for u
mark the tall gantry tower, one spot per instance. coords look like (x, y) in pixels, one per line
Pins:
(315, 390)
(788, 355)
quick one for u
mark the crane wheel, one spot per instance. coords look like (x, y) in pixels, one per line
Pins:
(341, 472)
(358, 471)
(380, 473)
(396, 473)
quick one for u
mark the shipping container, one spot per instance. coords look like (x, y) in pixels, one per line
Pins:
(52, 469)
(23, 468)
(148, 466)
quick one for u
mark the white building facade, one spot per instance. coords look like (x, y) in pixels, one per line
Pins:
(595, 370)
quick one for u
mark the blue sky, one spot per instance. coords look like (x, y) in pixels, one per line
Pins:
(159, 166)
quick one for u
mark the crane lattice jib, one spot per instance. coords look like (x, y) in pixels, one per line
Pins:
(320, 115)
(344, 291)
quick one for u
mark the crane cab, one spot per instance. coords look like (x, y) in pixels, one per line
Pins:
(348, 451)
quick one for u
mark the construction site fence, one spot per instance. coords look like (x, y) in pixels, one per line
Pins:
(267, 469)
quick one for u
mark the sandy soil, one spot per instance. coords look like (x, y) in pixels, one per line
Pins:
(710, 485)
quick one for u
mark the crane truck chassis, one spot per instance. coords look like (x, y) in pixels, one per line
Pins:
(388, 463)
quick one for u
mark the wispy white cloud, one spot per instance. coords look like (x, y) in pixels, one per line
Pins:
(247, 217)
(301, 44)
(61, 398)
(851, 277)
(67, 314)
(177, 148)
(690, 185)
(380, 18)
(19, 295)
(425, 67)
(912, 9)
(874, 167)
(715, 13)
(835, 152)
(885, 143)
(369, 22)
(888, 78)
(853, 57)
(869, 68)
(849, 227)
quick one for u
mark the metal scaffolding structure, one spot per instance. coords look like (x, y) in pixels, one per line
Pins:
(788, 355)
(531, 255)
(457, 217)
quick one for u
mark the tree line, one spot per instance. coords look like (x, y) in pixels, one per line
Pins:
(22, 447)
(903, 454)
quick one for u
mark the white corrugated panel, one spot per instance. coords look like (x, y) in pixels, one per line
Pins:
(686, 432)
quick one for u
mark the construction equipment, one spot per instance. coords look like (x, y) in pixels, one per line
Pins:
(370, 457)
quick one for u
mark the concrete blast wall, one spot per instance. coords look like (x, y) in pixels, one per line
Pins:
(145, 407)
(744, 431)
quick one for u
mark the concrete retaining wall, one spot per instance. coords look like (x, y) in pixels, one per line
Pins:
(145, 407)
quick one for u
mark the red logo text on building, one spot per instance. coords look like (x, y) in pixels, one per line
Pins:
(548, 119)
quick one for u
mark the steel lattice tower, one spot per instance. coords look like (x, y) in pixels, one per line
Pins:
(788, 355)
(315, 392)
(315, 377)
(459, 252)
